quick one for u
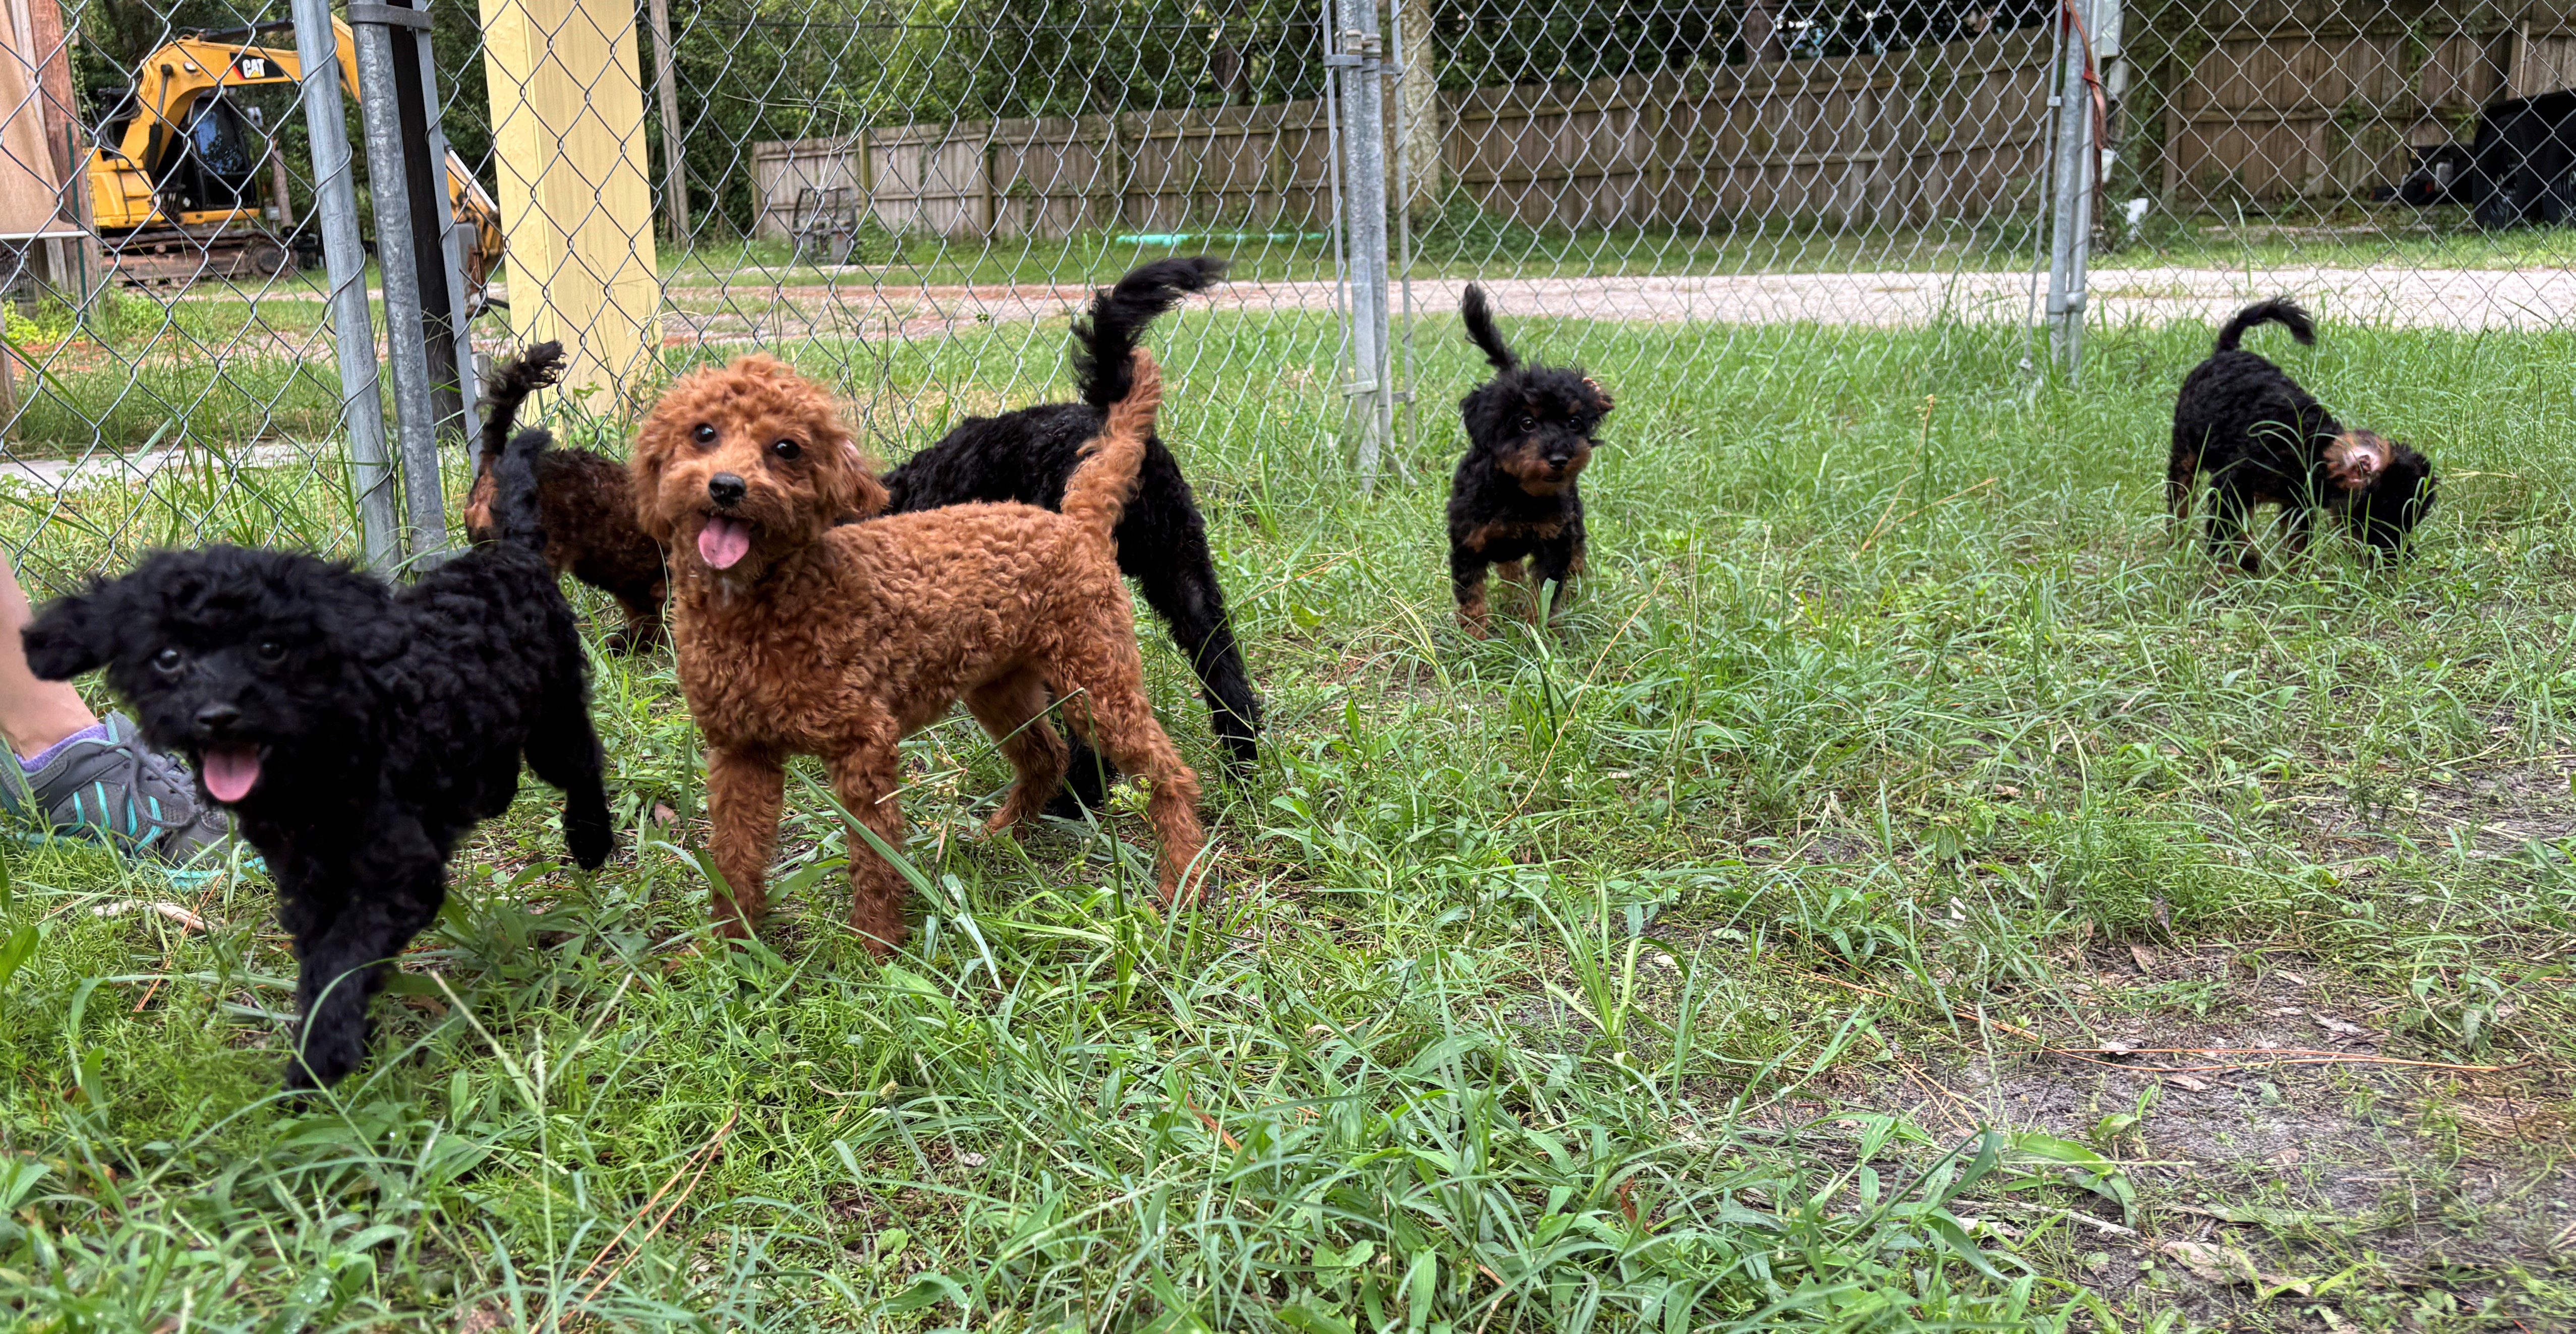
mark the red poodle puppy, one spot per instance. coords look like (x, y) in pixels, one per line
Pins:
(799, 637)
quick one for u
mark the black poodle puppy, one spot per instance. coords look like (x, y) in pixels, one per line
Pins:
(354, 729)
(1026, 456)
(1529, 434)
(2264, 440)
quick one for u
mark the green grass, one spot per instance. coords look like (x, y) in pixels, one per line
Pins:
(1673, 972)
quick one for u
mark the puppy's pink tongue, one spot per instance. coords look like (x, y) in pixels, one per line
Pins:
(724, 541)
(231, 774)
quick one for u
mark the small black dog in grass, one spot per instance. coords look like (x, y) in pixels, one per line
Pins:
(356, 730)
(1529, 435)
(2264, 440)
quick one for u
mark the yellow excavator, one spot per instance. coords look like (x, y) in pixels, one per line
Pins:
(173, 182)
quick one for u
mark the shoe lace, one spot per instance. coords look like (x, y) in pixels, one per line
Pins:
(145, 772)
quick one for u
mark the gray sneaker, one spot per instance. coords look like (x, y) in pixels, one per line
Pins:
(136, 798)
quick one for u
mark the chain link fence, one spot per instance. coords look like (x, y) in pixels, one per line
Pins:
(909, 201)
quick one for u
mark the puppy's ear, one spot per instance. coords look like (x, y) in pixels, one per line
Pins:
(644, 469)
(1482, 412)
(359, 612)
(851, 486)
(73, 635)
(1600, 396)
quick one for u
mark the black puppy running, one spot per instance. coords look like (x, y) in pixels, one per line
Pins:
(1529, 435)
(2264, 440)
(355, 729)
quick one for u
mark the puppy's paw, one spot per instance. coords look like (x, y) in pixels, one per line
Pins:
(321, 1061)
(589, 837)
(1086, 785)
(1242, 755)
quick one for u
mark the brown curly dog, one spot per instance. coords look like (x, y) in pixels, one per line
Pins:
(796, 637)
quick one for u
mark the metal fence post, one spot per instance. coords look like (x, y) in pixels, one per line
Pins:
(398, 266)
(2071, 208)
(433, 230)
(335, 201)
(1356, 52)
(455, 240)
(1410, 105)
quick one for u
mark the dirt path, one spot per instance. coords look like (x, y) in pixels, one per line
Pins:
(2464, 299)
(849, 303)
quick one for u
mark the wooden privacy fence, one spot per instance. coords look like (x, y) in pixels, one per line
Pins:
(1953, 131)
(2320, 101)
(1049, 176)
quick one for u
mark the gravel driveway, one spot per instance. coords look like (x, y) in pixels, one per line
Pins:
(849, 304)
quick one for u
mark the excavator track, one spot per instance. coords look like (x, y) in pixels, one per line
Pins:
(173, 258)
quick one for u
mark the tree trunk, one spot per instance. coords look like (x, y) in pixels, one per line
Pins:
(1760, 33)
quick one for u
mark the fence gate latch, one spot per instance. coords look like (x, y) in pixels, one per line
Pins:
(1360, 50)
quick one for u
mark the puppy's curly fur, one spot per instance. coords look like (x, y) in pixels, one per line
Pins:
(1028, 455)
(800, 635)
(585, 500)
(2264, 440)
(1530, 432)
(1025, 456)
(355, 730)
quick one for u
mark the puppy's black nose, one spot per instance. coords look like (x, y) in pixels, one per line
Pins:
(217, 717)
(725, 489)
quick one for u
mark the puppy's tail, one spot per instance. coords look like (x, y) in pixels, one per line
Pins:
(1481, 331)
(1096, 495)
(2279, 310)
(535, 369)
(511, 459)
(1105, 334)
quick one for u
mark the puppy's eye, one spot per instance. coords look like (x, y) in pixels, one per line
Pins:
(1528, 422)
(168, 659)
(788, 450)
(271, 652)
(705, 434)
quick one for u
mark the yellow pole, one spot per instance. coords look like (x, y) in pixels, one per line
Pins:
(568, 140)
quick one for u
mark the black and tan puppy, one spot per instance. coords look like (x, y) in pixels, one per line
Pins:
(356, 730)
(1529, 435)
(2264, 440)
(582, 497)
